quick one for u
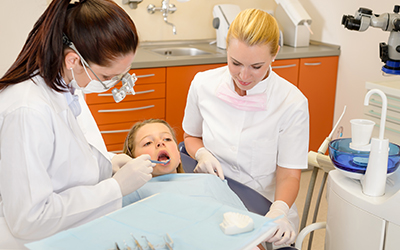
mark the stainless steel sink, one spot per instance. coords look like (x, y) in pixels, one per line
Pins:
(180, 51)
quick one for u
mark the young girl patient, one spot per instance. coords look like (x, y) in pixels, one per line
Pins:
(156, 138)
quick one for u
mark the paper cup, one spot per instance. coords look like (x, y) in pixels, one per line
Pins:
(361, 131)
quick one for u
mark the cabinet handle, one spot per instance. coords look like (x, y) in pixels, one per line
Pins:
(114, 131)
(117, 151)
(312, 64)
(144, 76)
(124, 110)
(136, 93)
(284, 66)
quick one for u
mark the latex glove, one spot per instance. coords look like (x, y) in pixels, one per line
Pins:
(285, 233)
(134, 174)
(118, 161)
(207, 163)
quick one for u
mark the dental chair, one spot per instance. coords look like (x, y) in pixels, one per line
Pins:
(319, 163)
(252, 200)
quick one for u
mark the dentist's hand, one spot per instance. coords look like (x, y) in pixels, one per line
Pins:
(285, 233)
(134, 174)
(207, 163)
(118, 161)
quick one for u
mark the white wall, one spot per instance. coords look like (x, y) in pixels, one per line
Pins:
(193, 19)
(359, 60)
(16, 20)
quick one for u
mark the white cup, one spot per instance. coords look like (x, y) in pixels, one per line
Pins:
(361, 131)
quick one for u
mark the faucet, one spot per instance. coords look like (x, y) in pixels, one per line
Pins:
(165, 8)
(374, 181)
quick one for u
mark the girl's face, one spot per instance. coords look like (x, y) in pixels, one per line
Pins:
(248, 65)
(156, 140)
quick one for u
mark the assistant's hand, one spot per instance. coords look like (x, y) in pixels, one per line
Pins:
(285, 233)
(118, 161)
(207, 163)
(134, 174)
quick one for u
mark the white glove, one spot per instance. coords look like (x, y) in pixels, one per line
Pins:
(285, 233)
(134, 174)
(207, 163)
(118, 161)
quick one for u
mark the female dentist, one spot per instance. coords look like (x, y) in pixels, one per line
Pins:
(51, 178)
(248, 123)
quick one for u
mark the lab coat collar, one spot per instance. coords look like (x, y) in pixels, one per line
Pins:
(260, 88)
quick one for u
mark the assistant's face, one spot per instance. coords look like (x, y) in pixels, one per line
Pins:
(156, 140)
(248, 65)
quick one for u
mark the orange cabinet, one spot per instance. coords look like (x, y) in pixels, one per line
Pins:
(317, 81)
(162, 93)
(116, 119)
(287, 69)
(178, 83)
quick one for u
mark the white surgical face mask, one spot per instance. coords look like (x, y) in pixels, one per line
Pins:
(94, 86)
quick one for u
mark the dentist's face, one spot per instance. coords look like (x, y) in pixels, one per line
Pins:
(156, 140)
(248, 65)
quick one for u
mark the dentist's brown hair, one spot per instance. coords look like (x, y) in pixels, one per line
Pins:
(100, 29)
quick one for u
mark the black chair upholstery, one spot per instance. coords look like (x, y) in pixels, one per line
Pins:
(253, 200)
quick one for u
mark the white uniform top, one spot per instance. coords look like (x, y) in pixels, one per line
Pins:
(51, 179)
(250, 144)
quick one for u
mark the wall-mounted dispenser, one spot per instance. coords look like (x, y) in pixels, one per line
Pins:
(223, 14)
(294, 22)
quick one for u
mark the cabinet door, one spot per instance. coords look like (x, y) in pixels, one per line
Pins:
(287, 69)
(178, 83)
(317, 81)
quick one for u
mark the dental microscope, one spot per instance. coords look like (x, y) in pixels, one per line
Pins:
(390, 52)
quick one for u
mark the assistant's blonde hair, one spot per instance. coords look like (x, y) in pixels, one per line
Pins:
(255, 27)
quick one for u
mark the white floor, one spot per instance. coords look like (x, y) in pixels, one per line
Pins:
(319, 235)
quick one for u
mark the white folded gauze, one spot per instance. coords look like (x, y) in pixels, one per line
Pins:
(236, 223)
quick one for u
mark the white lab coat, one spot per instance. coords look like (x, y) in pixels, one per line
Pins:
(250, 144)
(51, 179)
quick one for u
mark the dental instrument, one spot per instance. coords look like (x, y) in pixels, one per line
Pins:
(168, 242)
(324, 146)
(148, 243)
(137, 242)
(160, 162)
(126, 246)
(116, 246)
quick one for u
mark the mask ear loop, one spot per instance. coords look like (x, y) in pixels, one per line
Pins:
(72, 72)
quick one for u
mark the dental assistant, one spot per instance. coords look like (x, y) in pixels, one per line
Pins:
(246, 122)
(51, 177)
